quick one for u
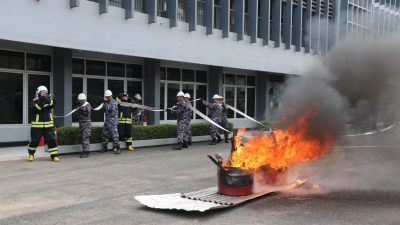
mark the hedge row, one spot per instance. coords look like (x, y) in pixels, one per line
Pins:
(71, 135)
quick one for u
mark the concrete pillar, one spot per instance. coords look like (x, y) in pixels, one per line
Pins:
(151, 81)
(172, 9)
(215, 86)
(191, 15)
(253, 19)
(74, 3)
(225, 6)
(151, 10)
(262, 86)
(129, 6)
(239, 19)
(103, 6)
(265, 20)
(62, 83)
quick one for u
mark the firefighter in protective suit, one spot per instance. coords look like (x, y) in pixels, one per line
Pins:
(125, 121)
(43, 124)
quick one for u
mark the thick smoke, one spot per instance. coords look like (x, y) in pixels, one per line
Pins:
(355, 88)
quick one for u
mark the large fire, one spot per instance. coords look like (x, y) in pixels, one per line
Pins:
(281, 148)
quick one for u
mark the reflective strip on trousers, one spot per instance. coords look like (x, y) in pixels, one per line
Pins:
(53, 151)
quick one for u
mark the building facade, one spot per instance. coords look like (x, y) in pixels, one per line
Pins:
(241, 49)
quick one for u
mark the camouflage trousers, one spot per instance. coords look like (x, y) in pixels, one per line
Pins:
(214, 133)
(85, 127)
(188, 134)
(224, 124)
(181, 131)
(110, 129)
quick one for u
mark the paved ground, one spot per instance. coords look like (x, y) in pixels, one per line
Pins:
(359, 185)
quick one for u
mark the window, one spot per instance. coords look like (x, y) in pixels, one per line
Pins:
(119, 77)
(230, 99)
(11, 92)
(217, 14)
(78, 66)
(115, 69)
(34, 81)
(95, 95)
(189, 81)
(182, 10)
(162, 96)
(116, 87)
(162, 73)
(240, 100)
(139, 5)
(188, 75)
(162, 8)
(77, 88)
(116, 3)
(134, 71)
(31, 71)
(201, 92)
(95, 68)
(232, 16)
(201, 5)
(37, 62)
(173, 74)
(134, 87)
(239, 92)
(251, 100)
(246, 17)
(172, 89)
(201, 76)
(12, 60)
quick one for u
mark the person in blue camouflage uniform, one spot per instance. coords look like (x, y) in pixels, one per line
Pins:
(224, 118)
(125, 120)
(188, 135)
(215, 115)
(85, 123)
(111, 122)
(181, 109)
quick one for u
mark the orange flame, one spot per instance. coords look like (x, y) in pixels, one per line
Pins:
(282, 147)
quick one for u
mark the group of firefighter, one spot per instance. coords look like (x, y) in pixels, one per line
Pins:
(118, 121)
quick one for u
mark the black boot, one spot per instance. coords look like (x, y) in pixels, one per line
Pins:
(185, 145)
(84, 155)
(178, 146)
(116, 150)
(219, 139)
(190, 143)
(226, 138)
(213, 142)
(104, 149)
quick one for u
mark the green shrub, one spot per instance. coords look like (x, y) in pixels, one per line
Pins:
(71, 135)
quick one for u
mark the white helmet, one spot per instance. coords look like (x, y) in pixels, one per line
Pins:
(81, 96)
(107, 93)
(138, 97)
(180, 94)
(41, 88)
(187, 95)
(216, 96)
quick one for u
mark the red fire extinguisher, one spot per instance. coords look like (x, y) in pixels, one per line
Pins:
(144, 118)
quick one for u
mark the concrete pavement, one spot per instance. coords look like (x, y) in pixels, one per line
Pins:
(358, 186)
